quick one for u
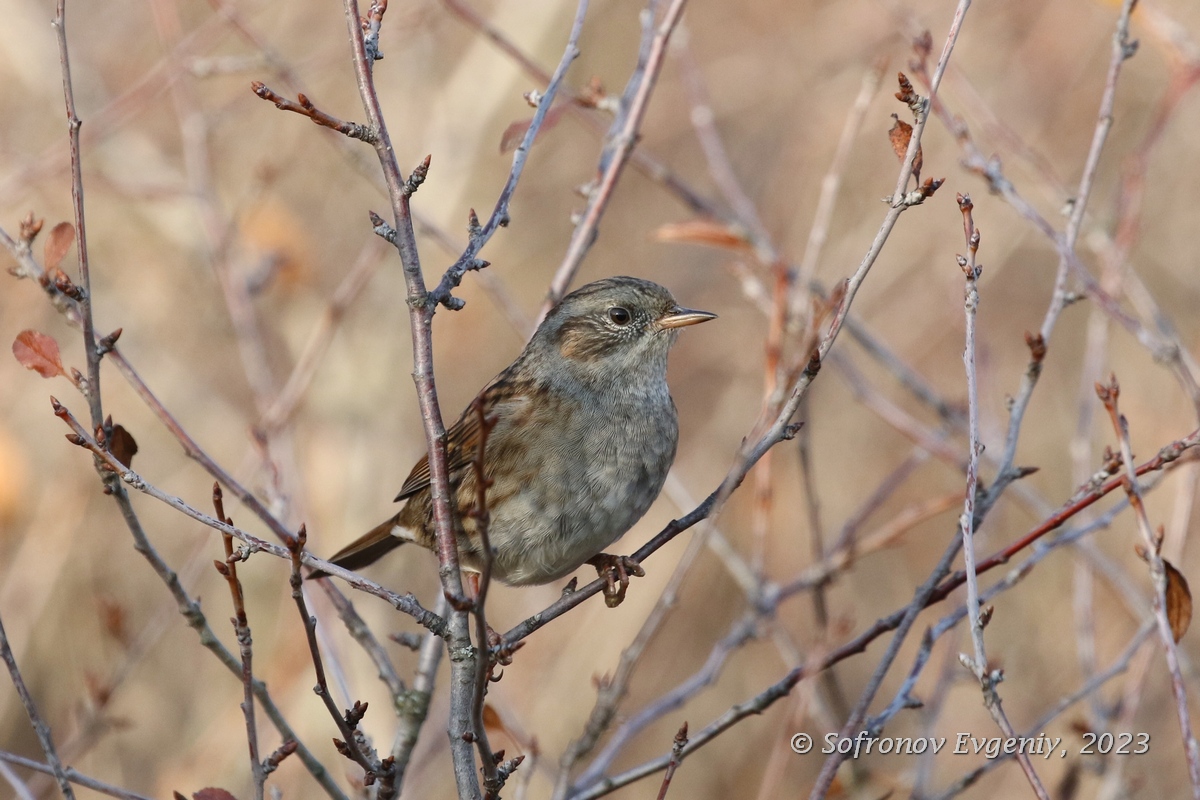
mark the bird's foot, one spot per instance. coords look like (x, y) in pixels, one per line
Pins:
(616, 571)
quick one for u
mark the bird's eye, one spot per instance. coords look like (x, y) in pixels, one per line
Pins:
(619, 315)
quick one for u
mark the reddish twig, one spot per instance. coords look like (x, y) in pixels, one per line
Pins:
(241, 626)
(420, 316)
(305, 108)
(353, 744)
(681, 741)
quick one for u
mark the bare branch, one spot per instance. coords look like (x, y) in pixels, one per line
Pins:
(619, 143)
(40, 728)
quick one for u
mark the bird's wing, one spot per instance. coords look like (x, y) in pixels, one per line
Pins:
(462, 440)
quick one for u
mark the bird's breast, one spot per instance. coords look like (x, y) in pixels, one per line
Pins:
(585, 476)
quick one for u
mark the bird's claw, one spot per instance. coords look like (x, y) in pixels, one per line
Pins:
(616, 571)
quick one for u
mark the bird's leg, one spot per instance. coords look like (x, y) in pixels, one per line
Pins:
(471, 584)
(470, 596)
(616, 571)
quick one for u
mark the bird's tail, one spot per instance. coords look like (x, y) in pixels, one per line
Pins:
(366, 549)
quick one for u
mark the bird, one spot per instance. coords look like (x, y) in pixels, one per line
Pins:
(578, 435)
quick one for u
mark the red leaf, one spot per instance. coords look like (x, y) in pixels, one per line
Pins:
(213, 793)
(122, 445)
(491, 720)
(38, 352)
(57, 245)
(515, 132)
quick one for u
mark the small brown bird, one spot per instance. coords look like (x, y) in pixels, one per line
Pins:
(584, 431)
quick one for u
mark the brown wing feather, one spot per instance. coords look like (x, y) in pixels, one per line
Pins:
(462, 440)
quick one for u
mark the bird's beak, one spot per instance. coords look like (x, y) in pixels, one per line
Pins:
(679, 317)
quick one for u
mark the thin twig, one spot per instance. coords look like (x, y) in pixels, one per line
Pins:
(832, 181)
(1151, 551)
(492, 782)
(780, 427)
(406, 603)
(353, 744)
(480, 235)
(416, 706)
(40, 728)
(74, 123)
(1087, 689)
(241, 626)
(420, 317)
(988, 678)
(681, 741)
(74, 777)
(618, 144)
(357, 627)
(583, 108)
(613, 688)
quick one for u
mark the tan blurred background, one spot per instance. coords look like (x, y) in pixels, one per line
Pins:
(86, 616)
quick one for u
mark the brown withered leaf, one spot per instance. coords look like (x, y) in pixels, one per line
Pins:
(99, 692)
(122, 445)
(491, 719)
(515, 132)
(900, 135)
(57, 244)
(495, 725)
(1179, 601)
(703, 231)
(114, 619)
(213, 793)
(38, 352)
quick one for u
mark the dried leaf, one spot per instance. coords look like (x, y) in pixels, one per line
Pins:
(900, 135)
(1179, 601)
(491, 720)
(703, 231)
(122, 445)
(213, 793)
(282, 247)
(99, 692)
(495, 726)
(114, 619)
(57, 244)
(515, 132)
(38, 352)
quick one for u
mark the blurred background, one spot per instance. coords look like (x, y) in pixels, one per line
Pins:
(201, 198)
